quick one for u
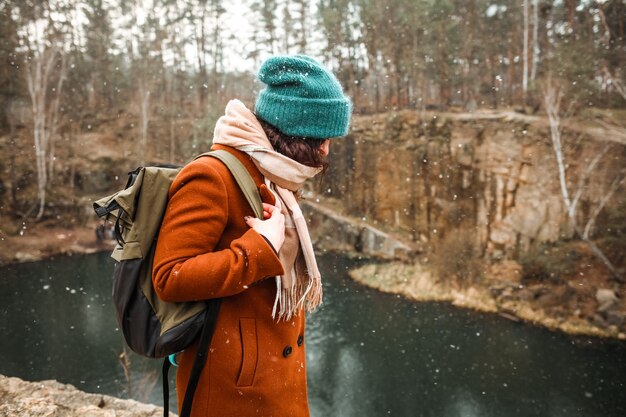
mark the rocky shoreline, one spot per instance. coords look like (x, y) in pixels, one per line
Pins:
(54, 399)
(508, 299)
(41, 241)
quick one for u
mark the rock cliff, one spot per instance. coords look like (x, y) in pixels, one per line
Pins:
(429, 175)
(466, 199)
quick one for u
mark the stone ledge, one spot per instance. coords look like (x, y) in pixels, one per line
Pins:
(333, 231)
(54, 399)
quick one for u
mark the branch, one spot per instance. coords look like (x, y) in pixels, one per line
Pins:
(614, 187)
(598, 252)
(606, 36)
(54, 111)
(605, 39)
(617, 132)
(587, 173)
(615, 82)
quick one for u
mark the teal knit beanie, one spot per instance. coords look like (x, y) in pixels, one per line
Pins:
(302, 98)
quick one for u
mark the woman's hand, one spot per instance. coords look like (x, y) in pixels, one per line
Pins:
(272, 227)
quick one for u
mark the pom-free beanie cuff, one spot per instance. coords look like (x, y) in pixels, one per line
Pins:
(302, 98)
(311, 118)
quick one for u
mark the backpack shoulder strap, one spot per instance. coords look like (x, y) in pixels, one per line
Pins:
(208, 328)
(243, 178)
(213, 308)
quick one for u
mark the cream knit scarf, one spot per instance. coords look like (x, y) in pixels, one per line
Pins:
(301, 286)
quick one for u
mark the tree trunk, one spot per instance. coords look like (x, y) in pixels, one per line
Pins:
(525, 52)
(38, 71)
(536, 51)
(172, 138)
(443, 80)
(12, 170)
(303, 26)
(217, 12)
(511, 90)
(571, 12)
(53, 112)
(144, 105)
(73, 133)
(202, 67)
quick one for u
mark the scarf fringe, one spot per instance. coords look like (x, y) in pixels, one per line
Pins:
(278, 296)
(289, 301)
(315, 295)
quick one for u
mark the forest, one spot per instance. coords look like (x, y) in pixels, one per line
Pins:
(168, 66)
(485, 168)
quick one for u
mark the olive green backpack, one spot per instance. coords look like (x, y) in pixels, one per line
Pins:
(152, 327)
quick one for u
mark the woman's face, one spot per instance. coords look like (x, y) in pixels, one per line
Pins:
(325, 147)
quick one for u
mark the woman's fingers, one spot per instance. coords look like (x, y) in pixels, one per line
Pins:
(272, 227)
(267, 210)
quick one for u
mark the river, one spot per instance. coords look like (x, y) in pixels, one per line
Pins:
(369, 354)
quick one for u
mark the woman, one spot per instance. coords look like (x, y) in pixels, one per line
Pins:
(210, 245)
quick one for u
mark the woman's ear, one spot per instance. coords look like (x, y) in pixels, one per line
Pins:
(266, 195)
(325, 147)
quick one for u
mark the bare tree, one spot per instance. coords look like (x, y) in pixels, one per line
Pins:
(39, 67)
(303, 19)
(615, 82)
(533, 71)
(525, 49)
(217, 11)
(144, 117)
(289, 28)
(553, 96)
(200, 23)
(54, 113)
(613, 79)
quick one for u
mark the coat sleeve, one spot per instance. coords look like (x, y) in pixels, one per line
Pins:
(187, 266)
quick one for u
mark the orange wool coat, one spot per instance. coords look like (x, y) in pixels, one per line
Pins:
(256, 365)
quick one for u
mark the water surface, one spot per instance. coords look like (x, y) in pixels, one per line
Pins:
(369, 354)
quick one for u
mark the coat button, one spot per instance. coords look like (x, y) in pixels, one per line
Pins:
(287, 351)
(300, 340)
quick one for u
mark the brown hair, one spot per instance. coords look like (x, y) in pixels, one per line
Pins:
(303, 150)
